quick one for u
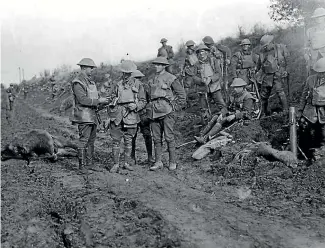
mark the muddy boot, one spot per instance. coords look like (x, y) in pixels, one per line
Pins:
(214, 130)
(284, 102)
(158, 153)
(127, 158)
(148, 143)
(172, 155)
(133, 148)
(201, 139)
(116, 159)
(82, 160)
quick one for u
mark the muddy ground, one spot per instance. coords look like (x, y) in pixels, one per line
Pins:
(220, 201)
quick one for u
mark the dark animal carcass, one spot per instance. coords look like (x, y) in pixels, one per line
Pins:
(37, 143)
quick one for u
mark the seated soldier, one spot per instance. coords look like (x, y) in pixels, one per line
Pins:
(241, 107)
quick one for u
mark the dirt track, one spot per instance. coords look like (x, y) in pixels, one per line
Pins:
(211, 203)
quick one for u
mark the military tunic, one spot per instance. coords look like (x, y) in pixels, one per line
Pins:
(315, 44)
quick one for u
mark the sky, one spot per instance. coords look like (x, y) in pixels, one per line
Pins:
(43, 34)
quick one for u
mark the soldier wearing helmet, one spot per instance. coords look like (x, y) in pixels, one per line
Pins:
(166, 51)
(144, 123)
(315, 41)
(241, 106)
(221, 52)
(86, 101)
(128, 98)
(188, 71)
(273, 60)
(243, 63)
(166, 95)
(11, 97)
(311, 110)
(208, 77)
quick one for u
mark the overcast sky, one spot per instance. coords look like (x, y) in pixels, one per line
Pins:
(43, 34)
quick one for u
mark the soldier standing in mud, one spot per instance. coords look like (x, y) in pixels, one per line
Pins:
(311, 110)
(241, 107)
(188, 71)
(25, 91)
(315, 42)
(243, 63)
(167, 95)
(273, 62)
(11, 97)
(144, 123)
(208, 77)
(86, 101)
(128, 99)
(166, 51)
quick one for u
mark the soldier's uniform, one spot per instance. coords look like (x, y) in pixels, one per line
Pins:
(11, 97)
(273, 63)
(85, 103)
(166, 95)
(25, 91)
(243, 64)
(123, 118)
(166, 51)
(144, 124)
(312, 106)
(241, 105)
(208, 77)
(315, 42)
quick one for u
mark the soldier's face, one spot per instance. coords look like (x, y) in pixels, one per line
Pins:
(321, 74)
(190, 49)
(238, 89)
(88, 70)
(203, 54)
(163, 43)
(245, 47)
(159, 67)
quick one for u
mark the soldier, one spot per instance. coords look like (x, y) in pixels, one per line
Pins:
(166, 96)
(243, 62)
(315, 43)
(188, 71)
(11, 96)
(273, 62)
(207, 76)
(311, 110)
(25, 91)
(166, 51)
(242, 106)
(128, 99)
(219, 51)
(144, 124)
(86, 100)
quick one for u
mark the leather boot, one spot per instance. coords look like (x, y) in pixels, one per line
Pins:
(116, 159)
(214, 130)
(133, 147)
(158, 153)
(284, 102)
(172, 155)
(148, 143)
(127, 158)
(82, 159)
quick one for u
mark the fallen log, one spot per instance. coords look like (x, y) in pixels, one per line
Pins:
(213, 144)
(286, 157)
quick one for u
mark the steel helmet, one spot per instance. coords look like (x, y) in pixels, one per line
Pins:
(189, 43)
(238, 82)
(245, 42)
(318, 13)
(208, 40)
(319, 66)
(161, 61)
(137, 73)
(202, 47)
(163, 40)
(127, 66)
(266, 39)
(87, 62)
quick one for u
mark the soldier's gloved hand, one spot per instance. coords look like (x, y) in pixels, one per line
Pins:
(227, 62)
(132, 106)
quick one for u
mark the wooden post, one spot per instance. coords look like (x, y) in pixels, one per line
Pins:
(293, 130)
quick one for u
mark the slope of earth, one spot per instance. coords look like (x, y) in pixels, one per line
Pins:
(216, 202)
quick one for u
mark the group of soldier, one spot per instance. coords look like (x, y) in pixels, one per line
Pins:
(151, 106)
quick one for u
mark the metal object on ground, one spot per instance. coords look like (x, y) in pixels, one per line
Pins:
(293, 130)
